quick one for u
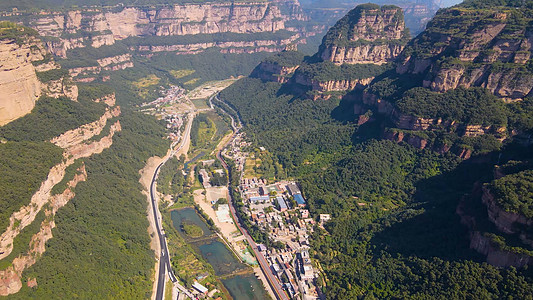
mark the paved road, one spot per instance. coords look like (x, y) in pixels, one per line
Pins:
(274, 283)
(164, 261)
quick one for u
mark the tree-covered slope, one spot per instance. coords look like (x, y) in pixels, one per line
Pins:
(400, 224)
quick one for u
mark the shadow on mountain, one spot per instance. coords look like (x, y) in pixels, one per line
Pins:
(436, 231)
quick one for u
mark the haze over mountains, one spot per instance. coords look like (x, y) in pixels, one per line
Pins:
(410, 130)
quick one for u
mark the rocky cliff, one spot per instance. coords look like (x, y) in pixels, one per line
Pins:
(19, 86)
(498, 216)
(98, 26)
(471, 57)
(465, 47)
(26, 72)
(367, 34)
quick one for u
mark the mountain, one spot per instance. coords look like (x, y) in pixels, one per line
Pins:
(425, 169)
(417, 13)
(26, 72)
(356, 49)
(453, 79)
(59, 142)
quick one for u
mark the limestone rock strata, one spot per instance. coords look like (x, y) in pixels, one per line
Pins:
(105, 26)
(505, 221)
(19, 85)
(367, 34)
(199, 47)
(365, 54)
(496, 256)
(332, 85)
(493, 36)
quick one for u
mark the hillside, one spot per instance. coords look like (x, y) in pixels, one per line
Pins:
(58, 145)
(27, 72)
(353, 52)
(466, 55)
(427, 179)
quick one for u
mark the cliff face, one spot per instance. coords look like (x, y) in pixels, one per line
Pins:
(22, 58)
(367, 34)
(101, 26)
(77, 143)
(465, 47)
(19, 86)
(501, 234)
(320, 87)
(508, 222)
(495, 255)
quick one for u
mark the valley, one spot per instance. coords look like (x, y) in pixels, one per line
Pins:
(276, 149)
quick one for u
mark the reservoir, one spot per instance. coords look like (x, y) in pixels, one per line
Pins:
(224, 262)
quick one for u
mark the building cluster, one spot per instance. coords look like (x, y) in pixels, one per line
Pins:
(235, 152)
(280, 210)
(174, 123)
(171, 95)
(202, 292)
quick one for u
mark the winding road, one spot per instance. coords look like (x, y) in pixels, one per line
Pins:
(273, 281)
(164, 261)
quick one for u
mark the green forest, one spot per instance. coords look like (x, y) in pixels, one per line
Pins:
(102, 231)
(394, 233)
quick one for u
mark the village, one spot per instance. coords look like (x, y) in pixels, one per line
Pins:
(279, 209)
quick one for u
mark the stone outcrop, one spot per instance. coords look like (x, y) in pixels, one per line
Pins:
(495, 255)
(492, 36)
(275, 45)
(367, 34)
(492, 244)
(105, 26)
(321, 87)
(19, 85)
(507, 222)
(77, 144)
(59, 88)
(364, 54)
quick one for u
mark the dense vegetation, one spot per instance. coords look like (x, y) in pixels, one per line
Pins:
(475, 106)
(192, 230)
(12, 31)
(23, 166)
(54, 74)
(394, 232)
(170, 181)
(51, 117)
(286, 58)
(102, 231)
(514, 192)
(326, 71)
